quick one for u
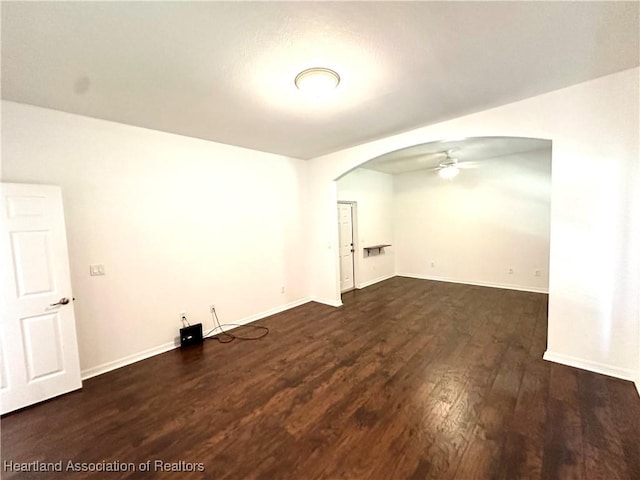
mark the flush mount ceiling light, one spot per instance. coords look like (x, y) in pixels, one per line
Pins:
(317, 81)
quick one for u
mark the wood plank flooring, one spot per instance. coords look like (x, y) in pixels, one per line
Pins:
(410, 379)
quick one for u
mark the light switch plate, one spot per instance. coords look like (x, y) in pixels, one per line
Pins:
(96, 269)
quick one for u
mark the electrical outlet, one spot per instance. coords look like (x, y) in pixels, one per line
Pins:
(212, 307)
(183, 314)
(282, 289)
(510, 271)
(536, 273)
(433, 264)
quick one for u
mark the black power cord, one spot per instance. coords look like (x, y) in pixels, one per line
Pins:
(227, 337)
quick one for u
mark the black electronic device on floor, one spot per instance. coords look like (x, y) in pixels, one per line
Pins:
(191, 335)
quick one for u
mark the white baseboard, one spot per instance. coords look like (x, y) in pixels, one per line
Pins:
(327, 301)
(479, 284)
(375, 280)
(596, 367)
(272, 311)
(128, 360)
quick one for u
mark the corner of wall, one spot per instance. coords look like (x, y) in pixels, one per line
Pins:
(591, 366)
(327, 301)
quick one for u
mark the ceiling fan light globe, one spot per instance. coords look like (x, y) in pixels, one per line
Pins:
(448, 172)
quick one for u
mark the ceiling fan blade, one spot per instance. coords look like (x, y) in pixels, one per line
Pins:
(468, 165)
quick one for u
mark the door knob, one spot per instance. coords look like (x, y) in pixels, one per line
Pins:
(62, 301)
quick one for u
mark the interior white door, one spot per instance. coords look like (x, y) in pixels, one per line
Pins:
(345, 229)
(38, 346)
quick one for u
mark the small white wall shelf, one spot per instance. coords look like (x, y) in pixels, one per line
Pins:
(379, 248)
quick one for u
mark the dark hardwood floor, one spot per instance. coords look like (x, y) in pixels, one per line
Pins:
(410, 379)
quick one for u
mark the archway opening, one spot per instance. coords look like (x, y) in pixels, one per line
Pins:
(472, 210)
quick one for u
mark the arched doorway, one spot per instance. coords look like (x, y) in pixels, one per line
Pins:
(474, 210)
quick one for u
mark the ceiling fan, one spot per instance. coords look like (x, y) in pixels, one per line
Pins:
(449, 166)
(438, 160)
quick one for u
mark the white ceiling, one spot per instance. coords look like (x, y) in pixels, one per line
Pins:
(224, 71)
(466, 150)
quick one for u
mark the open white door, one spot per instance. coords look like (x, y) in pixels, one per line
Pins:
(38, 346)
(345, 232)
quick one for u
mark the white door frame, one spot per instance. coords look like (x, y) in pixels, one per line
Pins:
(354, 235)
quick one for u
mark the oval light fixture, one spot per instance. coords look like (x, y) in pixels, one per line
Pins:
(317, 81)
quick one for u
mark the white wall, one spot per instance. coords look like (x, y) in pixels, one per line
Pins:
(373, 193)
(478, 225)
(594, 277)
(179, 223)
